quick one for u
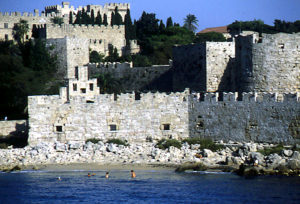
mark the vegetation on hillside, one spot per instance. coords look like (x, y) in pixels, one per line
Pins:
(261, 27)
(26, 69)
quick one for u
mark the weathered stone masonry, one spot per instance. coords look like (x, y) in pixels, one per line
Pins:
(77, 115)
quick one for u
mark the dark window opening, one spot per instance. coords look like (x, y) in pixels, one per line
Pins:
(74, 87)
(58, 128)
(27, 37)
(88, 101)
(91, 87)
(202, 96)
(76, 72)
(5, 25)
(83, 90)
(220, 97)
(240, 96)
(113, 127)
(166, 126)
(200, 125)
(137, 96)
(6, 37)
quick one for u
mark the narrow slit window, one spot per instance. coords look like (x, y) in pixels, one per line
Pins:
(59, 128)
(166, 126)
(91, 87)
(113, 127)
(6, 37)
(74, 87)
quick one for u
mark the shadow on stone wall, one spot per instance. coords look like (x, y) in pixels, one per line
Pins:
(17, 138)
(163, 83)
(228, 79)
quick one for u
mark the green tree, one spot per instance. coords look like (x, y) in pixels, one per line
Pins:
(162, 26)
(25, 69)
(92, 17)
(20, 30)
(210, 36)
(129, 28)
(191, 22)
(78, 19)
(112, 19)
(117, 18)
(98, 19)
(108, 84)
(105, 22)
(57, 20)
(71, 17)
(95, 57)
(169, 22)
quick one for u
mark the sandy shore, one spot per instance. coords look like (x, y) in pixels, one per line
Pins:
(104, 167)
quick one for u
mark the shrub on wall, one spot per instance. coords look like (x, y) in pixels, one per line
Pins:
(93, 140)
(117, 141)
(204, 143)
(166, 143)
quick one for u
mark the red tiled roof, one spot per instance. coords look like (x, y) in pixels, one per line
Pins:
(221, 29)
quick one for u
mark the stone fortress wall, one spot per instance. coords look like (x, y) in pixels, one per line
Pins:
(131, 78)
(73, 117)
(100, 37)
(269, 64)
(203, 67)
(70, 116)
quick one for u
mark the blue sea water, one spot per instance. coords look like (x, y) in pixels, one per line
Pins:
(150, 186)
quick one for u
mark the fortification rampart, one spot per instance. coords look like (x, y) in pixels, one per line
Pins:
(272, 65)
(127, 116)
(203, 67)
(260, 117)
(101, 37)
(131, 78)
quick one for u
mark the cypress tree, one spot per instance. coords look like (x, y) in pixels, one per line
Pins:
(112, 20)
(161, 26)
(117, 17)
(169, 22)
(105, 20)
(78, 19)
(70, 17)
(129, 29)
(98, 20)
(92, 17)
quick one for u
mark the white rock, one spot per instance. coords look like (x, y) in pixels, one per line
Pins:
(208, 153)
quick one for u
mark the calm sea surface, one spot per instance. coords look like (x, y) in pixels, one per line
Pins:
(150, 186)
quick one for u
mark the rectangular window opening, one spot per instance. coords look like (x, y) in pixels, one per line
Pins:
(113, 127)
(5, 25)
(137, 96)
(91, 87)
(6, 37)
(166, 126)
(58, 128)
(76, 72)
(83, 91)
(74, 87)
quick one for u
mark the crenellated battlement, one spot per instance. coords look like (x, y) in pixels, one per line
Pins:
(86, 27)
(262, 97)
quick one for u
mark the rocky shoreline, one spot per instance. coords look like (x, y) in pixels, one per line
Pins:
(242, 158)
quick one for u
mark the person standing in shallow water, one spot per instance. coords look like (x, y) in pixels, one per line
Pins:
(133, 175)
(107, 175)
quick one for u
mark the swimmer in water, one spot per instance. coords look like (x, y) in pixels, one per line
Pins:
(107, 175)
(133, 175)
(89, 175)
(59, 178)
